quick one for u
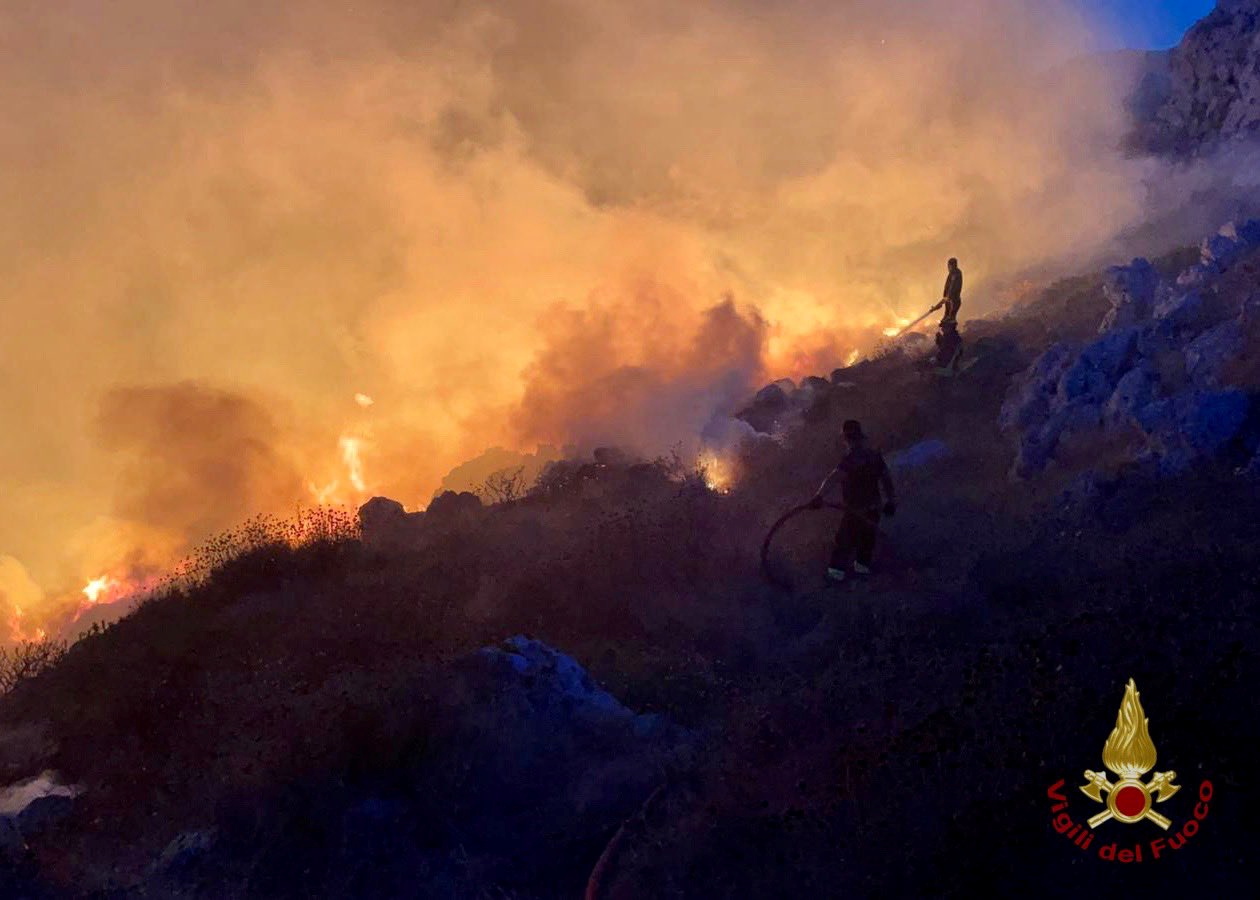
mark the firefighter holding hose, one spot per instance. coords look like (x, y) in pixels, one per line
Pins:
(863, 476)
(951, 296)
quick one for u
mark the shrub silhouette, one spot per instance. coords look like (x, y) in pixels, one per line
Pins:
(27, 659)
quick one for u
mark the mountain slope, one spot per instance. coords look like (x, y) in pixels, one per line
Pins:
(1209, 92)
(344, 719)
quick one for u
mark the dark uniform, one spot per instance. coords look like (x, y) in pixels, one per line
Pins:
(952, 295)
(948, 347)
(861, 473)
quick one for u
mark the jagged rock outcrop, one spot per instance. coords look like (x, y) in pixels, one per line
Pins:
(1163, 375)
(1210, 90)
(1131, 292)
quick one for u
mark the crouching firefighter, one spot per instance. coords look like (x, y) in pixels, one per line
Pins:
(862, 474)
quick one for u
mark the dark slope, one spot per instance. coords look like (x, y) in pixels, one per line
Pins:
(305, 724)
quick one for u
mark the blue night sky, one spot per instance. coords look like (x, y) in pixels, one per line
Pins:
(1146, 24)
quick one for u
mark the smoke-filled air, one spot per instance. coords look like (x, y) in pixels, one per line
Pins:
(259, 256)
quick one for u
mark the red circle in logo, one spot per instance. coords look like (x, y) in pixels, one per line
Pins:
(1130, 801)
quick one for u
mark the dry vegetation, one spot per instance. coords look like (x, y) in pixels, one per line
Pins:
(848, 738)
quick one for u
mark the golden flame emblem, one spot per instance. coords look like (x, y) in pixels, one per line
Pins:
(1130, 754)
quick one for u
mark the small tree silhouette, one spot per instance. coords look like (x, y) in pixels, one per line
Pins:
(504, 486)
(26, 660)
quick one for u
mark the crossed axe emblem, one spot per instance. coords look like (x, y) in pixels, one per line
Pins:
(1161, 785)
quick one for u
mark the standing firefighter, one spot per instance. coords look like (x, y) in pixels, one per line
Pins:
(862, 474)
(951, 297)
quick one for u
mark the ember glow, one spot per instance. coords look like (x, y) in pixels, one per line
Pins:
(96, 588)
(107, 590)
(718, 473)
(549, 222)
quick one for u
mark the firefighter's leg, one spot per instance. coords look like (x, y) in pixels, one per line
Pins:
(842, 552)
(864, 541)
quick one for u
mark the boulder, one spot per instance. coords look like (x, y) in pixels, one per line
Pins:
(1183, 310)
(1112, 353)
(766, 409)
(1039, 445)
(1223, 249)
(34, 804)
(1031, 397)
(384, 523)
(1161, 348)
(1083, 383)
(1208, 355)
(452, 509)
(611, 456)
(531, 737)
(527, 674)
(1071, 421)
(815, 385)
(44, 812)
(1136, 388)
(1201, 422)
(1131, 292)
(184, 854)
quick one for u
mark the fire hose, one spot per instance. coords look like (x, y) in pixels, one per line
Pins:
(917, 321)
(784, 519)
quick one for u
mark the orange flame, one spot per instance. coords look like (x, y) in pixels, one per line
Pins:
(351, 455)
(718, 474)
(95, 588)
(17, 628)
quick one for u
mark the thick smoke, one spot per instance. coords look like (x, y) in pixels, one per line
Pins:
(191, 458)
(505, 223)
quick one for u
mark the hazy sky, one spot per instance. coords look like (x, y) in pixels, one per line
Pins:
(1148, 23)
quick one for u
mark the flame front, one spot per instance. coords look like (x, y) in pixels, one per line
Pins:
(96, 587)
(894, 330)
(719, 475)
(1129, 751)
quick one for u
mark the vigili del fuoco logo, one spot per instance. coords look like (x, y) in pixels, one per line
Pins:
(1129, 754)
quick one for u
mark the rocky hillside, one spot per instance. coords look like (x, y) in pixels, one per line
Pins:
(591, 688)
(1169, 380)
(1206, 91)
